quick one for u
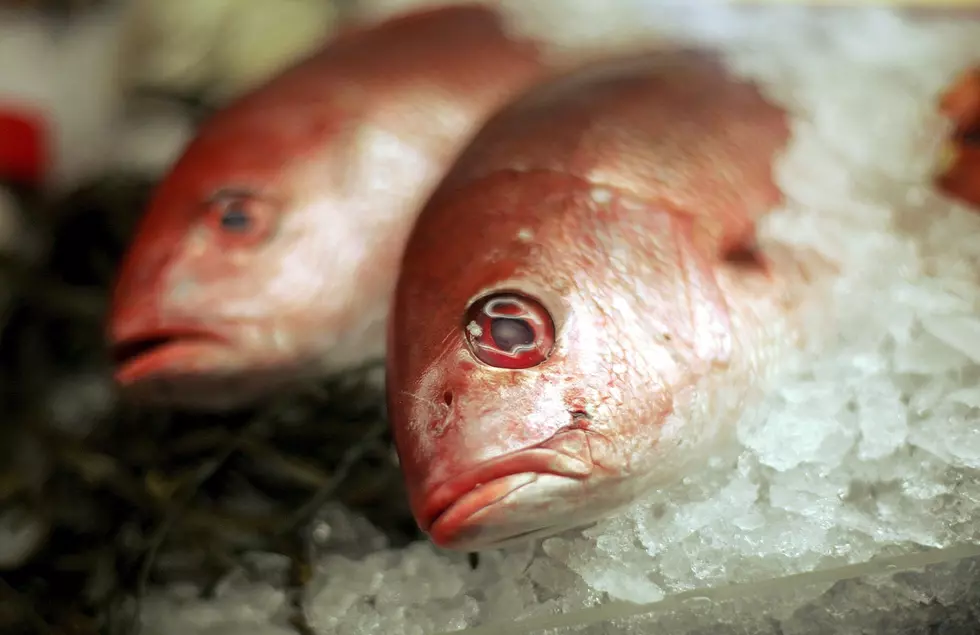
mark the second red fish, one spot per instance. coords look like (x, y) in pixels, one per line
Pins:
(270, 251)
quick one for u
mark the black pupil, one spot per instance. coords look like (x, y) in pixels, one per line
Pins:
(510, 333)
(235, 218)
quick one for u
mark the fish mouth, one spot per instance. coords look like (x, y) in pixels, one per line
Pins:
(510, 499)
(161, 351)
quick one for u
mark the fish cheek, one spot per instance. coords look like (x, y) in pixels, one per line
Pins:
(626, 406)
(435, 403)
(189, 272)
(205, 279)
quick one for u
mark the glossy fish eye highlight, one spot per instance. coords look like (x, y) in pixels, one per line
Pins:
(240, 218)
(509, 330)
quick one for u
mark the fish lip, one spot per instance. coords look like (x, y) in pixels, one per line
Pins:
(148, 352)
(455, 527)
(463, 495)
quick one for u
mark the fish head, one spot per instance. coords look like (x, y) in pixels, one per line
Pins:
(236, 279)
(511, 383)
(270, 252)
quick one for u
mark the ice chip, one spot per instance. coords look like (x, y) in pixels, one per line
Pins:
(806, 428)
(883, 419)
(961, 332)
(969, 396)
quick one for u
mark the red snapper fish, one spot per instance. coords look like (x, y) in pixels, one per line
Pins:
(269, 252)
(583, 308)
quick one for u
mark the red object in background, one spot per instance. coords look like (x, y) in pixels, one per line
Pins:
(961, 101)
(23, 147)
(961, 104)
(961, 180)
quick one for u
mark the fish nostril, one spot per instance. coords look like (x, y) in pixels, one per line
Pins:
(447, 398)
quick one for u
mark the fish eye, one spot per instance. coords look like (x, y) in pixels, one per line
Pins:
(509, 330)
(240, 218)
(235, 217)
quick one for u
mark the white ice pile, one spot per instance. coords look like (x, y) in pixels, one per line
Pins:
(938, 597)
(873, 450)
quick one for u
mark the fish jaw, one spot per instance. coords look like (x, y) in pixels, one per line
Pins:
(167, 359)
(175, 364)
(220, 362)
(529, 493)
(202, 375)
(506, 511)
(157, 352)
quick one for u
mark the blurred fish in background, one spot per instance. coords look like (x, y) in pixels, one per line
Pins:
(960, 103)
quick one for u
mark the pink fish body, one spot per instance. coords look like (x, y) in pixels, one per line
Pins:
(269, 252)
(581, 308)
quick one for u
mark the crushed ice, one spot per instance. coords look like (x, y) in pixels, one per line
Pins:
(873, 449)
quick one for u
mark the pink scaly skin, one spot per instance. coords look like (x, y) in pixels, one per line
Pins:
(270, 251)
(582, 312)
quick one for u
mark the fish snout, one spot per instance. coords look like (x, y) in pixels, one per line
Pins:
(152, 355)
(523, 494)
(130, 315)
(134, 326)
